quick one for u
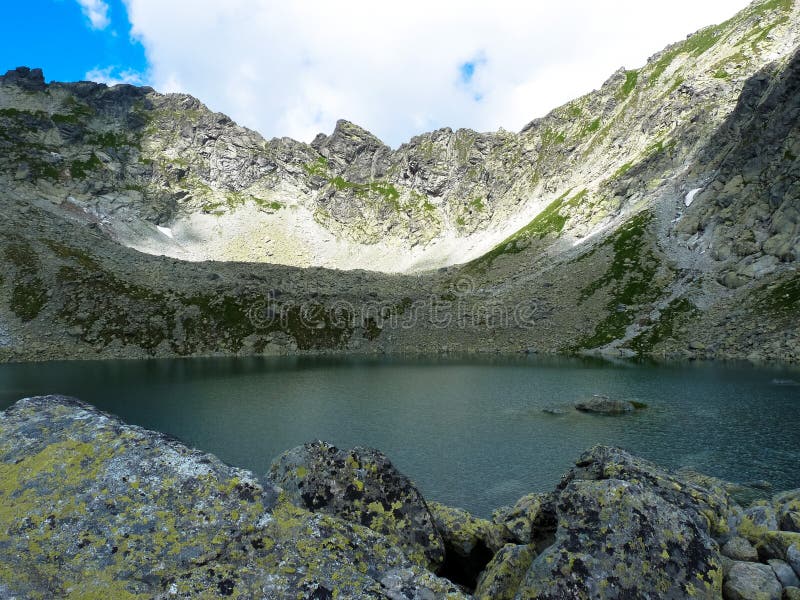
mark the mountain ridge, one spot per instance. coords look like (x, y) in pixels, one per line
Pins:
(629, 220)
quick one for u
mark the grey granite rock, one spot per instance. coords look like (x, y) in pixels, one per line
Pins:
(362, 486)
(751, 581)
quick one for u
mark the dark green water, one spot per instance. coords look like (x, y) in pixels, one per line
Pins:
(470, 432)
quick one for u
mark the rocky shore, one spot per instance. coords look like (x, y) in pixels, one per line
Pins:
(91, 507)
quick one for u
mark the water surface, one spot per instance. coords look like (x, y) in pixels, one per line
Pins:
(470, 431)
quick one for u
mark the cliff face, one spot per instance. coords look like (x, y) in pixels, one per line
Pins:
(658, 214)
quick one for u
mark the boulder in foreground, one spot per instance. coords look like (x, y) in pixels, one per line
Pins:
(361, 486)
(93, 508)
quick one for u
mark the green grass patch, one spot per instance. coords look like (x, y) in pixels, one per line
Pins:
(660, 146)
(27, 299)
(631, 79)
(477, 204)
(722, 74)
(574, 111)
(675, 312)
(68, 252)
(76, 107)
(549, 221)
(79, 169)
(630, 279)
(28, 295)
(679, 81)
(762, 35)
(43, 170)
(236, 199)
(783, 298)
(423, 201)
(60, 119)
(770, 5)
(318, 168)
(13, 113)
(696, 45)
(622, 170)
(111, 139)
(551, 136)
(386, 190)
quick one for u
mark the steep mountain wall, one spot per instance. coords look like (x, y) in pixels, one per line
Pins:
(657, 215)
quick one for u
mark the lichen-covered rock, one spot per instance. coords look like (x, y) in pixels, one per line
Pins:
(93, 508)
(741, 494)
(784, 572)
(625, 529)
(470, 543)
(787, 507)
(751, 581)
(783, 545)
(504, 574)
(791, 593)
(361, 486)
(621, 539)
(530, 519)
(740, 549)
(463, 532)
(758, 519)
(711, 509)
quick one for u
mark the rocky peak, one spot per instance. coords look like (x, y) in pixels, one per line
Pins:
(347, 142)
(31, 80)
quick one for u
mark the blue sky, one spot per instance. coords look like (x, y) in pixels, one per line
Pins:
(293, 67)
(57, 36)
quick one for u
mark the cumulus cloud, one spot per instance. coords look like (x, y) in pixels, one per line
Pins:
(97, 13)
(293, 68)
(114, 76)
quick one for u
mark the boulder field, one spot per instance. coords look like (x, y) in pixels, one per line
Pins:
(91, 507)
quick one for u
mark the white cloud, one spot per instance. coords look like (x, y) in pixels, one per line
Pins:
(293, 68)
(97, 13)
(112, 76)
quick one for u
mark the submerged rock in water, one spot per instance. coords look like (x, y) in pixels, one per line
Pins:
(361, 486)
(93, 508)
(786, 382)
(554, 410)
(606, 406)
